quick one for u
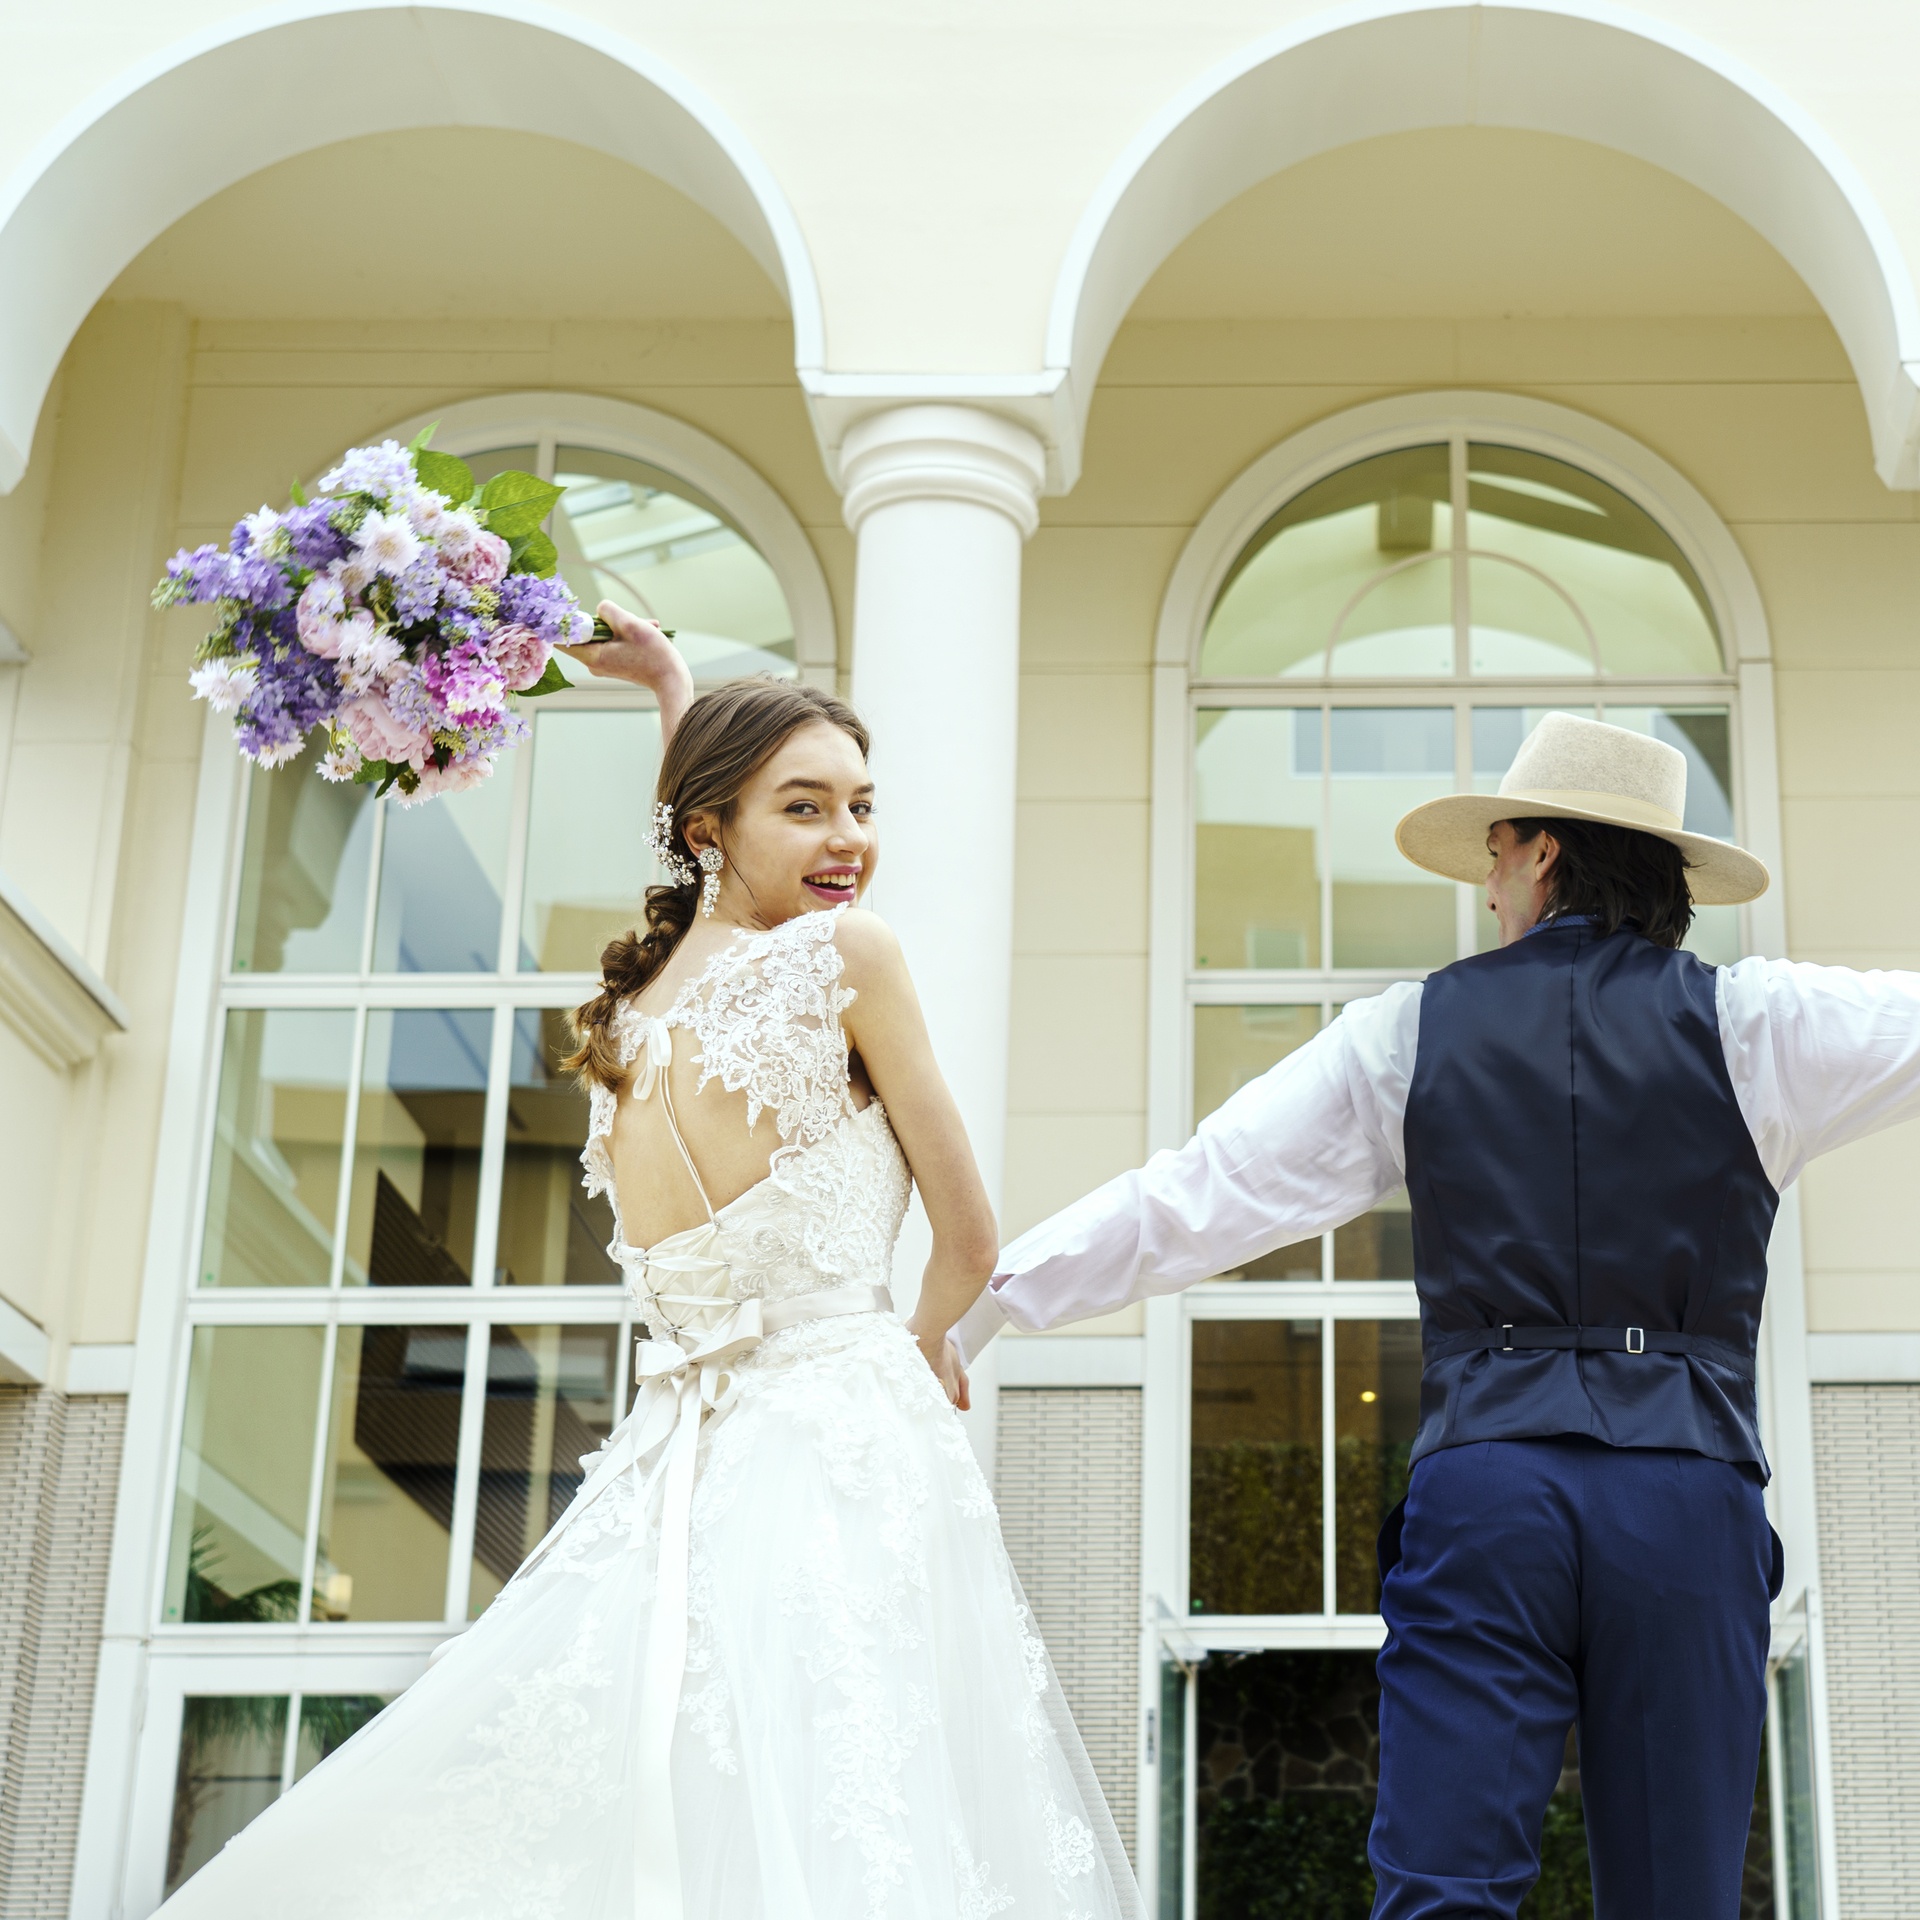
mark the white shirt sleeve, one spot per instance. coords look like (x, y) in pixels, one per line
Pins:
(1309, 1145)
(1818, 1056)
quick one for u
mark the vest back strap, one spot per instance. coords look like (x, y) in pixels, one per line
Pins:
(1636, 1340)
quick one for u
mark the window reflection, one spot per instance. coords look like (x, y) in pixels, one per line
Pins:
(1384, 761)
(416, 1154)
(246, 1458)
(1376, 1412)
(631, 533)
(1255, 1515)
(552, 1232)
(279, 1125)
(1378, 1245)
(1257, 838)
(302, 905)
(588, 867)
(443, 877)
(232, 1751)
(386, 1490)
(550, 1399)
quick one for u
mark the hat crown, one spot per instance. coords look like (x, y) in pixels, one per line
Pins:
(1567, 755)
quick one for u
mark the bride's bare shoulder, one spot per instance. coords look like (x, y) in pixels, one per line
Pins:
(868, 946)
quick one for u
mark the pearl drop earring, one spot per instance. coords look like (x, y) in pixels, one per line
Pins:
(711, 861)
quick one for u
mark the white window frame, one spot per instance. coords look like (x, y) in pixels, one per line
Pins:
(1216, 543)
(147, 1668)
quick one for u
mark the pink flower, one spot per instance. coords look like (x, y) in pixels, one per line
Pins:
(379, 733)
(481, 564)
(521, 656)
(455, 777)
(319, 615)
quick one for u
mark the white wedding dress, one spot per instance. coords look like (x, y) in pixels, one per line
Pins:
(773, 1662)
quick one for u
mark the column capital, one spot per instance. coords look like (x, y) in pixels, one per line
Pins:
(943, 453)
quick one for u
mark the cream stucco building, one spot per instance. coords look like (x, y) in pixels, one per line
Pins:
(1191, 433)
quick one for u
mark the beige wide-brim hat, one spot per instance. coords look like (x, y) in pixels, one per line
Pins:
(1573, 769)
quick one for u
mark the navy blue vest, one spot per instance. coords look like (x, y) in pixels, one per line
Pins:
(1590, 1216)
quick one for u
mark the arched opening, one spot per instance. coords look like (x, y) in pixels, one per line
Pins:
(1643, 91)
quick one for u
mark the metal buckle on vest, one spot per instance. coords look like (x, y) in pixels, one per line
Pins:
(1506, 1327)
(1636, 1335)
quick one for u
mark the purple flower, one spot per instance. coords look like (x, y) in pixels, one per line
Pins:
(317, 543)
(547, 606)
(417, 591)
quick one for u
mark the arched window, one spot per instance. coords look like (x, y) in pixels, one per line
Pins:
(1375, 615)
(403, 1328)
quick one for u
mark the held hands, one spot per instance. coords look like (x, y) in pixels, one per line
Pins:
(641, 653)
(939, 1352)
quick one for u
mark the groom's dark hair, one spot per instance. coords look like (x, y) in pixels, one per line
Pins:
(724, 738)
(1617, 876)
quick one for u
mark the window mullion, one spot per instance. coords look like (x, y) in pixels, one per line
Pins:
(493, 1149)
(376, 857)
(349, 1144)
(1326, 836)
(290, 1746)
(323, 1422)
(466, 1474)
(1465, 903)
(512, 914)
(1328, 1587)
(1457, 499)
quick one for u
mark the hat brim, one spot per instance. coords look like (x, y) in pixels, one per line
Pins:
(1448, 836)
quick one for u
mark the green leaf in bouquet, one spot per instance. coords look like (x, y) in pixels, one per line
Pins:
(445, 475)
(424, 438)
(552, 681)
(298, 494)
(516, 503)
(533, 553)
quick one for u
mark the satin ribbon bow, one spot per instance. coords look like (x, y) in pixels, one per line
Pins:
(655, 1055)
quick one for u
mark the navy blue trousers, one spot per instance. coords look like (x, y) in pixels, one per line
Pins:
(1543, 1582)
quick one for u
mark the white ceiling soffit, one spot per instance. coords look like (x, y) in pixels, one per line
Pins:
(1590, 72)
(211, 109)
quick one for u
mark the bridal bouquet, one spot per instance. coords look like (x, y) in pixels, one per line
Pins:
(398, 611)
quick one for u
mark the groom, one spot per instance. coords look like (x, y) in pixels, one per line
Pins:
(1593, 1128)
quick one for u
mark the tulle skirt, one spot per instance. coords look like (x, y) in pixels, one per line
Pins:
(868, 1727)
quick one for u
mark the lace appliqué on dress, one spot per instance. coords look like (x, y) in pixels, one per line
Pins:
(767, 1015)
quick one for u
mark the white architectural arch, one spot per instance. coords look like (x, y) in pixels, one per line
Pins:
(1575, 67)
(212, 108)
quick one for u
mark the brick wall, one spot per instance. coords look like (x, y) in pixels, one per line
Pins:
(1068, 1472)
(59, 1461)
(1866, 1444)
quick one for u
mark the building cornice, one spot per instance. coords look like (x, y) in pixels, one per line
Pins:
(49, 996)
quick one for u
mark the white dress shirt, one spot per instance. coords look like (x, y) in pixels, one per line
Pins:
(1818, 1056)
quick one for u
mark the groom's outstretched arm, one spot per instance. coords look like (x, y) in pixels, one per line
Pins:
(1305, 1147)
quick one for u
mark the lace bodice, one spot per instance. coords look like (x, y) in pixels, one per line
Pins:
(765, 1013)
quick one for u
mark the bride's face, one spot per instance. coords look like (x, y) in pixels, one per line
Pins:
(802, 834)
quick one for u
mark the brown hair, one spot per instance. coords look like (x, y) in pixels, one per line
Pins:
(725, 737)
(1617, 876)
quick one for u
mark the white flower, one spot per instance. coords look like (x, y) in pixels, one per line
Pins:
(387, 544)
(267, 534)
(341, 763)
(279, 754)
(224, 684)
(383, 470)
(426, 510)
(368, 654)
(457, 535)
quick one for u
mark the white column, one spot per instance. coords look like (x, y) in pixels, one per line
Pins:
(941, 499)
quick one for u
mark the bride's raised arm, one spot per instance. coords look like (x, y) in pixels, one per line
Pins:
(889, 1033)
(640, 652)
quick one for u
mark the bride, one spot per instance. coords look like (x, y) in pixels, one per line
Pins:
(772, 1663)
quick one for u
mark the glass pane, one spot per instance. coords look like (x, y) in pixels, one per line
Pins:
(386, 1493)
(246, 1464)
(1231, 1046)
(1378, 1245)
(443, 872)
(552, 1234)
(630, 533)
(503, 460)
(274, 1187)
(1385, 760)
(1316, 557)
(1256, 1496)
(1257, 796)
(1635, 588)
(232, 1749)
(1376, 1412)
(1792, 1730)
(1402, 624)
(303, 875)
(1173, 1791)
(416, 1151)
(550, 1399)
(327, 1722)
(1522, 623)
(587, 860)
